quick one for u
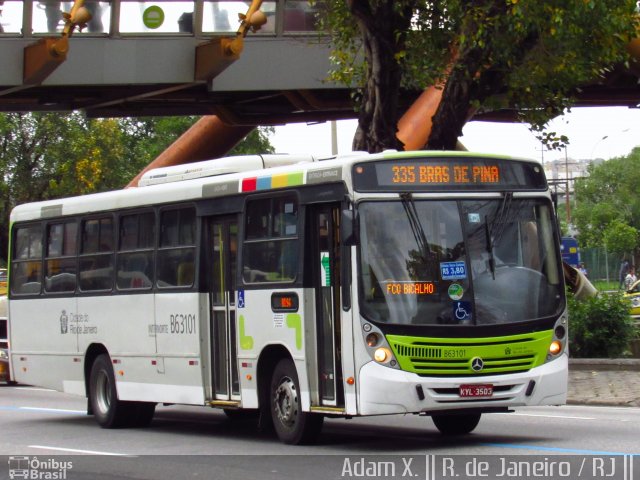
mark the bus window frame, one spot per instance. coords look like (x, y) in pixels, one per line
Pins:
(81, 255)
(153, 248)
(159, 249)
(47, 257)
(14, 260)
(271, 196)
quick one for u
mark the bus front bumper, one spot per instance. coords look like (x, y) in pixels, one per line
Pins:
(385, 390)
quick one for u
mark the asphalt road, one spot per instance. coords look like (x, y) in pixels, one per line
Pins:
(197, 442)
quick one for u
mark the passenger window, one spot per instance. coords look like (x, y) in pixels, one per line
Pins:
(135, 251)
(60, 263)
(96, 255)
(300, 16)
(26, 268)
(176, 254)
(222, 16)
(271, 243)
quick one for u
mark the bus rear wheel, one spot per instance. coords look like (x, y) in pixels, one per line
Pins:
(456, 424)
(108, 410)
(292, 425)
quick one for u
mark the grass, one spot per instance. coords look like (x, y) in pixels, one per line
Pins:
(603, 285)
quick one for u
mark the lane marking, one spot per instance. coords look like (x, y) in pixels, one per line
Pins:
(54, 410)
(35, 389)
(547, 416)
(45, 410)
(554, 449)
(75, 450)
(603, 407)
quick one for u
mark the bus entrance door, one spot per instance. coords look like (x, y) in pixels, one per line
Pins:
(224, 356)
(326, 280)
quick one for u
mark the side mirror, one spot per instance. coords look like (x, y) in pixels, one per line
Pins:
(348, 225)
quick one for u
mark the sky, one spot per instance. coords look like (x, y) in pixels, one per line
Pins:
(594, 132)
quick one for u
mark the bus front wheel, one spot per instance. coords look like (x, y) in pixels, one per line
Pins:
(108, 410)
(456, 424)
(292, 425)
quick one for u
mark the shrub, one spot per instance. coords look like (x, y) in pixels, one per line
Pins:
(600, 326)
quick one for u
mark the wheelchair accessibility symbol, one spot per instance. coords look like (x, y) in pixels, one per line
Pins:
(462, 310)
(240, 298)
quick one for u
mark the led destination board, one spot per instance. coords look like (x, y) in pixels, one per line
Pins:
(409, 288)
(454, 174)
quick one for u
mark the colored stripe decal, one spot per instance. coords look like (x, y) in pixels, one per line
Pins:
(264, 183)
(275, 181)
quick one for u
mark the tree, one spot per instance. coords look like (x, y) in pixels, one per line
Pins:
(256, 142)
(620, 238)
(148, 137)
(525, 55)
(45, 156)
(608, 205)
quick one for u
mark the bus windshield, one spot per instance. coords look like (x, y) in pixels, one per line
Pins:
(466, 262)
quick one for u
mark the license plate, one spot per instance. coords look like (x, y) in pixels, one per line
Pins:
(485, 390)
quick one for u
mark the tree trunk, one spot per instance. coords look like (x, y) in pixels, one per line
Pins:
(383, 30)
(455, 108)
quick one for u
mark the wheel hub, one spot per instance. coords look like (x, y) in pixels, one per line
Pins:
(286, 401)
(103, 393)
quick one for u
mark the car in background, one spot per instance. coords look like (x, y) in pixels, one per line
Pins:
(3, 281)
(5, 372)
(633, 295)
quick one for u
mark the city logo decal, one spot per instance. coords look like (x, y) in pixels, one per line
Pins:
(64, 322)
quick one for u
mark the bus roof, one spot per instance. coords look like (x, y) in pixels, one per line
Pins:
(221, 177)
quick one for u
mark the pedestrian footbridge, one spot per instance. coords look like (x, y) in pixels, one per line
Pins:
(162, 57)
(165, 58)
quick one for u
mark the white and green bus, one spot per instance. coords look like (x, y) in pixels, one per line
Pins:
(425, 283)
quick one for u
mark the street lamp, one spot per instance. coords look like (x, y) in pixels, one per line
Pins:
(596, 146)
(604, 138)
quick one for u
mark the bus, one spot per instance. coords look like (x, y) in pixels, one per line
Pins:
(291, 289)
(570, 251)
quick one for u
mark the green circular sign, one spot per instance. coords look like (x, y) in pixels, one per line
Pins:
(455, 291)
(153, 17)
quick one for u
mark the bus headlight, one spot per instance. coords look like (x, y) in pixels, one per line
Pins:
(558, 343)
(381, 355)
(377, 346)
(555, 348)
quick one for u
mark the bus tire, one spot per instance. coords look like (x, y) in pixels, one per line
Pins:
(292, 425)
(103, 396)
(456, 424)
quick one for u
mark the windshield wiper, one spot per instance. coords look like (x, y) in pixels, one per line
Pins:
(499, 223)
(489, 247)
(416, 227)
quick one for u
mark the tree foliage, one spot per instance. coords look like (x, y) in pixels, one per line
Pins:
(45, 156)
(526, 55)
(608, 205)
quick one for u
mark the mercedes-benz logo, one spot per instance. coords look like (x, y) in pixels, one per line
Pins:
(477, 364)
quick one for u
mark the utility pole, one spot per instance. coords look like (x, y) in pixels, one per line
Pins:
(566, 177)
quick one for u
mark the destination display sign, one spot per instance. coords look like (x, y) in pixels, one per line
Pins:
(409, 288)
(450, 174)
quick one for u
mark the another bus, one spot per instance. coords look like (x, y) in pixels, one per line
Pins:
(570, 251)
(425, 283)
